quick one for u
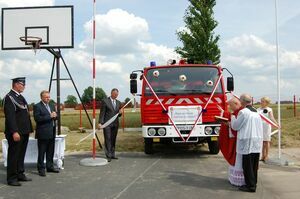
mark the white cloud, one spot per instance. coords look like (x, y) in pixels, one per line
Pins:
(250, 45)
(253, 63)
(158, 53)
(117, 32)
(19, 67)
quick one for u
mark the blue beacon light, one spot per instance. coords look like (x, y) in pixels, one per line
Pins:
(152, 63)
(209, 62)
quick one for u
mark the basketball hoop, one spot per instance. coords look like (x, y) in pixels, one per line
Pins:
(35, 42)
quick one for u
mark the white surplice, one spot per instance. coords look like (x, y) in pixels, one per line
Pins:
(249, 126)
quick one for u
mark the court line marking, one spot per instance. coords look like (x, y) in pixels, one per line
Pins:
(137, 178)
(3, 186)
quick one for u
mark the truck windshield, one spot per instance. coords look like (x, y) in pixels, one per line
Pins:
(182, 80)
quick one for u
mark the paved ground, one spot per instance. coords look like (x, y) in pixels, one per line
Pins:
(184, 174)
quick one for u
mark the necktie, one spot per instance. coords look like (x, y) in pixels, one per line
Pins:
(114, 104)
(48, 108)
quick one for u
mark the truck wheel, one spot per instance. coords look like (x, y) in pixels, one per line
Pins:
(213, 147)
(148, 146)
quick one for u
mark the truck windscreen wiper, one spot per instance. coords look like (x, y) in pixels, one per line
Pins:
(198, 91)
(159, 91)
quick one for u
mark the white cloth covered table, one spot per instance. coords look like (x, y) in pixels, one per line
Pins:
(32, 151)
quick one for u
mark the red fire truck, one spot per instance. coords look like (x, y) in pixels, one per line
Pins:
(179, 103)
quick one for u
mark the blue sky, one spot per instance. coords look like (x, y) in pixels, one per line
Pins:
(130, 33)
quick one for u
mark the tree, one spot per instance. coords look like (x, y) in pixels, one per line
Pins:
(87, 96)
(130, 105)
(1, 102)
(71, 101)
(199, 42)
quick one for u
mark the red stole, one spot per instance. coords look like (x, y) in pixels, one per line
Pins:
(227, 144)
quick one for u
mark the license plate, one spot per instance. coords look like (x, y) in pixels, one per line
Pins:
(184, 127)
(156, 139)
(214, 138)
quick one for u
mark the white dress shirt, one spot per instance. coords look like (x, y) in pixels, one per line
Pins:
(249, 126)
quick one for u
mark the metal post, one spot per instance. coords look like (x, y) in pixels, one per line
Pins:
(94, 80)
(278, 83)
(295, 114)
(123, 119)
(58, 92)
(80, 117)
(51, 77)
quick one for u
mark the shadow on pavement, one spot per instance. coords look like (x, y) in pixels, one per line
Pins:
(200, 181)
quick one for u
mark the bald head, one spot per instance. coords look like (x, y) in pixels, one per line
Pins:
(246, 99)
(234, 104)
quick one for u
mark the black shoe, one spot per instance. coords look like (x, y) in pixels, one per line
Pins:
(42, 173)
(15, 183)
(24, 179)
(53, 170)
(115, 158)
(108, 159)
(247, 189)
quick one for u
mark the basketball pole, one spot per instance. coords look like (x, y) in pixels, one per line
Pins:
(58, 55)
(56, 62)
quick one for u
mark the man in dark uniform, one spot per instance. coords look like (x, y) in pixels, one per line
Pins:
(45, 116)
(17, 129)
(109, 108)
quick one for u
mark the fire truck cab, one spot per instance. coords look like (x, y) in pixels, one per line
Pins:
(174, 103)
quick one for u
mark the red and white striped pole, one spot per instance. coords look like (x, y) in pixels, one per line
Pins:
(94, 80)
(295, 111)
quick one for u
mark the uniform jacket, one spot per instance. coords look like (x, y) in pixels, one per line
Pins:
(45, 125)
(17, 116)
(107, 111)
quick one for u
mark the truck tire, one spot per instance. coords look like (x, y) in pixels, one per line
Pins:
(213, 147)
(148, 146)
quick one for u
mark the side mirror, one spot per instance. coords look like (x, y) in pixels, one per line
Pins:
(133, 86)
(133, 83)
(133, 76)
(230, 84)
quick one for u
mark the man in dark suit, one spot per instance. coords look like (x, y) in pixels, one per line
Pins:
(17, 129)
(45, 116)
(109, 108)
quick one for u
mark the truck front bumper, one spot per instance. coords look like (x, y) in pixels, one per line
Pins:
(200, 131)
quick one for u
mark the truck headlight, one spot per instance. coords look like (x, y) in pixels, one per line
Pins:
(217, 130)
(208, 130)
(161, 131)
(151, 132)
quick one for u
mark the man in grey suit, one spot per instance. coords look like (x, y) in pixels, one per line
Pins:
(109, 108)
(45, 116)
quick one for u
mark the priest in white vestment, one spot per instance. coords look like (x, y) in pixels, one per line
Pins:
(249, 141)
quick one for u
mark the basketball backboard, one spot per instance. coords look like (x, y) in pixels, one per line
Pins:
(53, 24)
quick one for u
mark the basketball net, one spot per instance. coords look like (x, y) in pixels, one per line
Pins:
(34, 42)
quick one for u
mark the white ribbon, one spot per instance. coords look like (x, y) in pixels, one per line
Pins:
(107, 123)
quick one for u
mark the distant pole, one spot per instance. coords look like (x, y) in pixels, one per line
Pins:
(123, 119)
(94, 81)
(278, 82)
(80, 116)
(295, 106)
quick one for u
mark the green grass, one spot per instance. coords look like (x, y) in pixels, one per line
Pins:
(133, 141)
